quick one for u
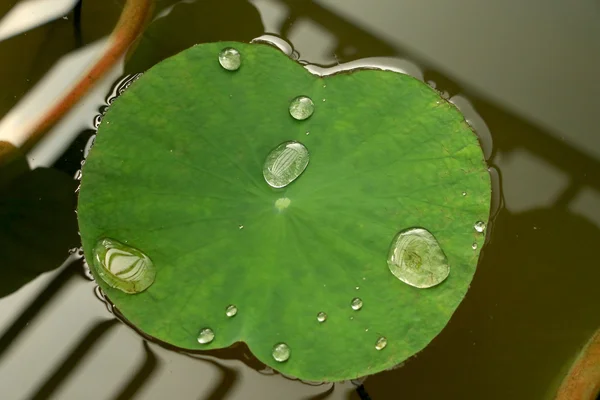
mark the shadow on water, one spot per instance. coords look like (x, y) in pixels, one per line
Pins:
(141, 376)
(69, 364)
(206, 21)
(37, 222)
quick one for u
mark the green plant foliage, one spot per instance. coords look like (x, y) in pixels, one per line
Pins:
(177, 172)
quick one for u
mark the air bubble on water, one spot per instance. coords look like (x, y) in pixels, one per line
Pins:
(281, 352)
(416, 258)
(479, 226)
(230, 59)
(123, 267)
(77, 175)
(380, 343)
(321, 317)
(88, 146)
(285, 163)
(301, 108)
(205, 336)
(231, 310)
(356, 304)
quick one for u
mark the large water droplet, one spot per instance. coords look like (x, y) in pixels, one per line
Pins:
(356, 304)
(321, 317)
(479, 226)
(230, 59)
(301, 108)
(123, 267)
(205, 336)
(381, 343)
(231, 310)
(285, 163)
(281, 352)
(417, 259)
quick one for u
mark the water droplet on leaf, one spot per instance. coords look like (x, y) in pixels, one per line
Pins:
(285, 163)
(231, 310)
(230, 59)
(381, 343)
(417, 259)
(479, 226)
(281, 352)
(474, 246)
(356, 304)
(464, 193)
(123, 267)
(321, 317)
(205, 336)
(301, 108)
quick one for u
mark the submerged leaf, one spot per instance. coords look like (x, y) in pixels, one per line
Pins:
(178, 172)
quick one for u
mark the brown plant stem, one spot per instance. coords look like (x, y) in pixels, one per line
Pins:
(130, 25)
(583, 380)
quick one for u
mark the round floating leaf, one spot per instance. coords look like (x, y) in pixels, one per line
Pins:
(177, 172)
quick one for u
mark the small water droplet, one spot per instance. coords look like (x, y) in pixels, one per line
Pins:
(324, 86)
(358, 287)
(321, 317)
(381, 343)
(474, 246)
(205, 336)
(324, 100)
(356, 304)
(367, 330)
(123, 267)
(464, 193)
(307, 133)
(417, 259)
(231, 310)
(285, 164)
(230, 59)
(241, 227)
(281, 352)
(78, 175)
(301, 108)
(479, 226)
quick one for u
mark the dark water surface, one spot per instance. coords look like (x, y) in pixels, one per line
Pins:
(524, 75)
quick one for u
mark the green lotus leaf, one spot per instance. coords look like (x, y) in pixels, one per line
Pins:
(178, 174)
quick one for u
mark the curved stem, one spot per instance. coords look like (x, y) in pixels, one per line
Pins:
(130, 25)
(583, 380)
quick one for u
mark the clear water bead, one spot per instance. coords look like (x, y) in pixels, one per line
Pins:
(381, 343)
(230, 59)
(321, 317)
(231, 311)
(281, 352)
(356, 304)
(479, 226)
(285, 163)
(301, 108)
(416, 258)
(123, 267)
(205, 336)
(474, 246)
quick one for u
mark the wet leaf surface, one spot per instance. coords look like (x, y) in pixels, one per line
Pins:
(177, 172)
